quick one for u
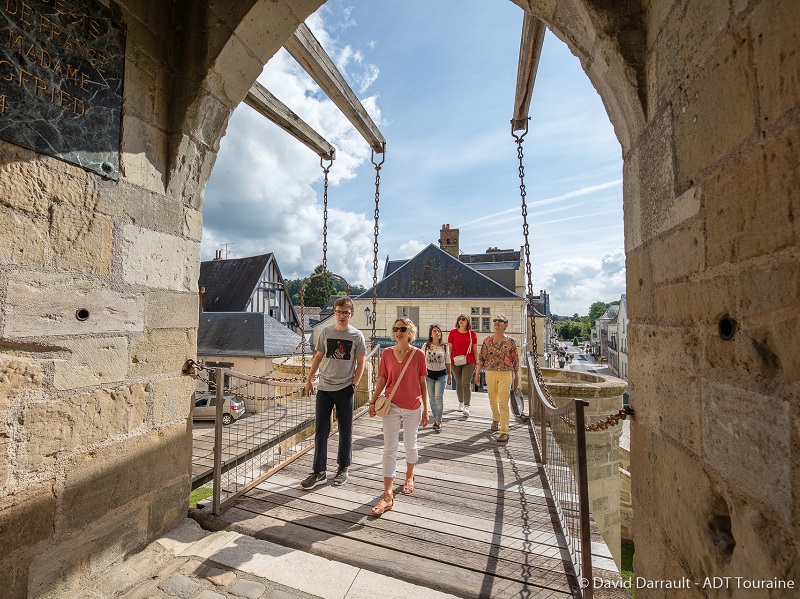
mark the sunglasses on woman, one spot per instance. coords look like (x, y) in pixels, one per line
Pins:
(399, 329)
(500, 320)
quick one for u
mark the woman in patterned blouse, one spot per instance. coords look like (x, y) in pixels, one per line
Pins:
(499, 358)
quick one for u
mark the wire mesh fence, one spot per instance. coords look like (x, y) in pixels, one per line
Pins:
(261, 423)
(561, 439)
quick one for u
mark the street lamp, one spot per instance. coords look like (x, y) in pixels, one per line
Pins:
(370, 316)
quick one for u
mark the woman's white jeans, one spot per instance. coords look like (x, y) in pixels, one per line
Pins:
(409, 420)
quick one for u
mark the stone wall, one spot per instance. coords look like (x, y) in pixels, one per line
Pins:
(95, 439)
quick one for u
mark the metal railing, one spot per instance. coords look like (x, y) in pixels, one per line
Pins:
(277, 427)
(561, 436)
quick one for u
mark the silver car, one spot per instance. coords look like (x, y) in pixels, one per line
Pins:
(205, 408)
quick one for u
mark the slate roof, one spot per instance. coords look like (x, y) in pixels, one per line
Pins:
(251, 334)
(509, 256)
(391, 266)
(230, 283)
(611, 313)
(512, 265)
(435, 274)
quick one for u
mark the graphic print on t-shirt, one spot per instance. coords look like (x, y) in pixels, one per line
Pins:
(339, 349)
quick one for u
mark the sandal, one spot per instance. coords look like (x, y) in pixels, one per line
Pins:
(495, 425)
(384, 505)
(408, 488)
(437, 427)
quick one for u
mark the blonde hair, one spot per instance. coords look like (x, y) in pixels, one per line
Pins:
(409, 324)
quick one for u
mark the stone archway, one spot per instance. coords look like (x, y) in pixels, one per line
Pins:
(705, 100)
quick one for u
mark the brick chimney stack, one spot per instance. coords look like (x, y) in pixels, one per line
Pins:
(448, 241)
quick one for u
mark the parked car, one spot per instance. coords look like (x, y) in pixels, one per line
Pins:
(205, 408)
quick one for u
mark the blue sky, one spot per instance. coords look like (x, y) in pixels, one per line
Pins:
(438, 78)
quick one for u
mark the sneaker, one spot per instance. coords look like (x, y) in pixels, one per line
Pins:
(340, 478)
(466, 411)
(313, 480)
(460, 407)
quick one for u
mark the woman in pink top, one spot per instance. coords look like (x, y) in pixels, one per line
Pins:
(463, 342)
(409, 407)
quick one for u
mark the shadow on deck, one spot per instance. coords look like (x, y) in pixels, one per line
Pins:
(479, 523)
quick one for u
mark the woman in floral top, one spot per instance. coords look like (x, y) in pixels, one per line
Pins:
(499, 358)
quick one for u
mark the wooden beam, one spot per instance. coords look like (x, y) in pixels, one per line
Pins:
(263, 102)
(307, 51)
(530, 50)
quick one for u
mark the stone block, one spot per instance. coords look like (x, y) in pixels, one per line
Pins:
(81, 240)
(162, 351)
(193, 166)
(193, 224)
(80, 421)
(773, 26)
(172, 399)
(752, 201)
(125, 472)
(738, 444)
(170, 504)
(665, 400)
(680, 253)
(78, 560)
(17, 373)
(179, 585)
(770, 292)
(143, 154)
(152, 211)
(574, 26)
(23, 240)
(640, 287)
(690, 32)
(27, 517)
(5, 461)
(92, 362)
(166, 310)
(158, 260)
(716, 112)
(40, 304)
(770, 350)
(695, 302)
(25, 185)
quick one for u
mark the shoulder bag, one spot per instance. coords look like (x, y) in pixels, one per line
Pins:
(384, 404)
(462, 360)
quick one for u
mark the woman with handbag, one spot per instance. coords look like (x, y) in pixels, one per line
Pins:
(407, 407)
(500, 360)
(464, 354)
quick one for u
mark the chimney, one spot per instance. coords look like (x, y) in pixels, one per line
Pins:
(217, 254)
(448, 240)
(203, 300)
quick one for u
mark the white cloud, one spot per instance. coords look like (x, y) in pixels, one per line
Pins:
(409, 249)
(574, 283)
(260, 197)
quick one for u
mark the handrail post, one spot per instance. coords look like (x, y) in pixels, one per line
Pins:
(583, 496)
(215, 499)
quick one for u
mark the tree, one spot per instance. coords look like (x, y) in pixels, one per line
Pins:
(596, 310)
(319, 289)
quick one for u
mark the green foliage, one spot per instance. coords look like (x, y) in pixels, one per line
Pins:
(596, 311)
(319, 289)
(337, 287)
(627, 566)
(199, 495)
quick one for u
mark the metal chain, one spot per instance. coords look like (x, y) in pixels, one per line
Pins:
(375, 247)
(191, 368)
(525, 230)
(325, 170)
(610, 420)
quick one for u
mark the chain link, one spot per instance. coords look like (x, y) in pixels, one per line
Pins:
(526, 232)
(192, 368)
(325, 170)
(375, 247)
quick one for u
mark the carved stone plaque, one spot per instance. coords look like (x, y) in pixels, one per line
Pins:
(61, 73)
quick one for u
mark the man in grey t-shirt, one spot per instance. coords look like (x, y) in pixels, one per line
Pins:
(339, 357)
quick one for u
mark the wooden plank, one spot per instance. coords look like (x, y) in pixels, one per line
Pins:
(530, 50)
(432, 574)
(266, 104)
(307, 51)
